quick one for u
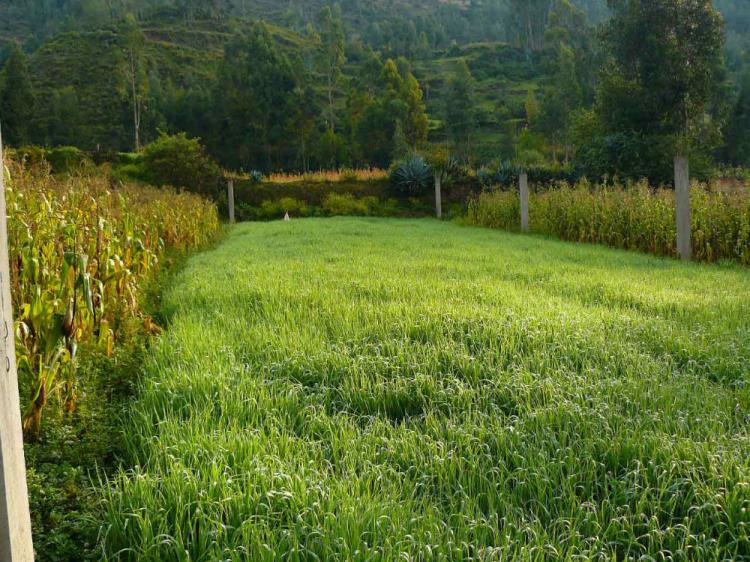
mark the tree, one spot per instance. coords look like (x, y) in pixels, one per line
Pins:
(303, 122)
(133, 42)
(415, 122)
(460, 115)
(331, 54)
(661, 77)
(664, 59)
(16, 100)
(528, 19)
(738, 130)
(179, 161)
(64, 124)
(253, 97)
(561, 98)
(387, 117)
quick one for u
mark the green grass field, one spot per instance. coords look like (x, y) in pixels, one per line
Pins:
(392, 390)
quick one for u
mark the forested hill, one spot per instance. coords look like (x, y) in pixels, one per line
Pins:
(399, 24)
(93, 67)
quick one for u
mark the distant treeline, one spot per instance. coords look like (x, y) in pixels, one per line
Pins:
(355, 83)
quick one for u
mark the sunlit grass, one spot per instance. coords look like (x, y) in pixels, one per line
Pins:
(322, 176)
(372, 389)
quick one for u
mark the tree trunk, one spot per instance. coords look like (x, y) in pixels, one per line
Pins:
(330, 102)
(136, 104)
(682, 199)
(438, 196)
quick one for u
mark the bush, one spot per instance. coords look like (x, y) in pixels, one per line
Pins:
(66, 159)
(61, 160)
(182, 162)
(412, 176)
(346, 204)
(632, 217)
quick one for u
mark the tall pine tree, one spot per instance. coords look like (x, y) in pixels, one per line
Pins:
(460, 114)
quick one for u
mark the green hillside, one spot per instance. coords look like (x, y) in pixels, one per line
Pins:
(78, 64)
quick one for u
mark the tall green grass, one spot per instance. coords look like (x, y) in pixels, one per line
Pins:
(373, 389)
(632, 217)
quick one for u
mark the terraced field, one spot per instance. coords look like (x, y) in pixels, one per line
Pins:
(371, 389)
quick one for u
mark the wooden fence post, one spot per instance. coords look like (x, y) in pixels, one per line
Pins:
(682, 198)
(523, 181)
(230, 200)
(438, 195)
(15, 522)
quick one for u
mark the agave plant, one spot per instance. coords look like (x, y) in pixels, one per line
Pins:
(413, 176)
(256, 176)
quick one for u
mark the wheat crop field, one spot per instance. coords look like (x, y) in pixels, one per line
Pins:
(410, 390)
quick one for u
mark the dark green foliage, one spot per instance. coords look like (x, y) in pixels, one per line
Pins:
(61, 160)
(662, 71)
(738, 128)
(66, 159)
(460, 111)
(387, 115)
(16, 101)
(412, 176)
(254, 99)
(182, 162)
(342, 109)
(330, 57)
(506, 175)
(658, 90)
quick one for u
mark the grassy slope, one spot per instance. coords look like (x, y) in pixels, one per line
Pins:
(353, 389)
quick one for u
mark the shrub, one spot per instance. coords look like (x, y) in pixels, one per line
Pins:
(61, 160)
(182, 162)
(293, 206)
(412, 176)
(347, 204)
(67, 159)
(32, 156)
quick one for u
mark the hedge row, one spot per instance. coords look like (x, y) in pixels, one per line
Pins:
(266, 200)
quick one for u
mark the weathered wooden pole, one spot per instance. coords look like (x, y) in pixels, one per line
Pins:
(682, 198)
(438, 195)
(523, 185)
(230, 200)
(15, 522)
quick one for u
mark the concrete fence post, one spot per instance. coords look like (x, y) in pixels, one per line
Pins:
(230, 200)
(682, 198)
(523, 184)
(438, 195)
(15, 522)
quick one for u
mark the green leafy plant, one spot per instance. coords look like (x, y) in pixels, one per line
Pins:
(412, 176)
(79, 251)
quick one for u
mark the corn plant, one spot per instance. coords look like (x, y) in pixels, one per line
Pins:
(632, 216)
(80, 251)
